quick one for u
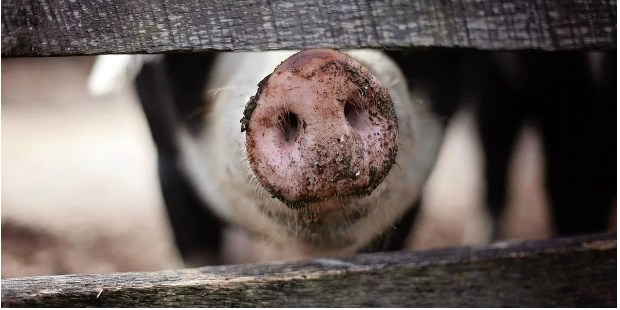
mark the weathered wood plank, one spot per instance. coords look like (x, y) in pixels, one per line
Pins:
(88, 27)
(567, 272)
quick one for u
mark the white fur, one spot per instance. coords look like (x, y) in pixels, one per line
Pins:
(215, 161)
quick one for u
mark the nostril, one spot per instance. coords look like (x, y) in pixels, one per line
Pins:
(354, 115)
(288, 123)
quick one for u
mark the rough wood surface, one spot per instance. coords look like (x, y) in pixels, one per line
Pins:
(87, 27)
(569, 272)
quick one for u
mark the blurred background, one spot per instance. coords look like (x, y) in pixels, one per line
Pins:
(80, 192)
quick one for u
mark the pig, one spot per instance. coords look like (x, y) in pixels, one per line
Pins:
(303, 155)
(320, 152)
(203, 109)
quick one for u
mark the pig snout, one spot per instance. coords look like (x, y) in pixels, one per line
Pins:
(320, 126)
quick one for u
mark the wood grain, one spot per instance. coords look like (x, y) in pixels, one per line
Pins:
(567, 272)
(89, 27)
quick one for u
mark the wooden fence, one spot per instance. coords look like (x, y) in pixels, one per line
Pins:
(568, 272)
(88, 27)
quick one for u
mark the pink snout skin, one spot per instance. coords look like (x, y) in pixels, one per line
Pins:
(321, 126)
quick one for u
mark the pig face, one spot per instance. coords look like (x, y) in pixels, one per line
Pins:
(331, 149)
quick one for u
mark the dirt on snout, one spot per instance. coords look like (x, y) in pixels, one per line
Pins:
(345, 130)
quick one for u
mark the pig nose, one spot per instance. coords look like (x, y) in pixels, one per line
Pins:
(320, 126)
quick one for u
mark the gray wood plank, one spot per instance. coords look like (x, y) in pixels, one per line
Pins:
(89, 27)
(566, 272)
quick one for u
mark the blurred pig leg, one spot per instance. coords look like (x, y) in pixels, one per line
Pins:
(499, 118)
(170, 91)
(574, 107)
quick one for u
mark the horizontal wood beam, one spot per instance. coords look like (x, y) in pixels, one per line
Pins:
(90, 27)
(567, 272)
